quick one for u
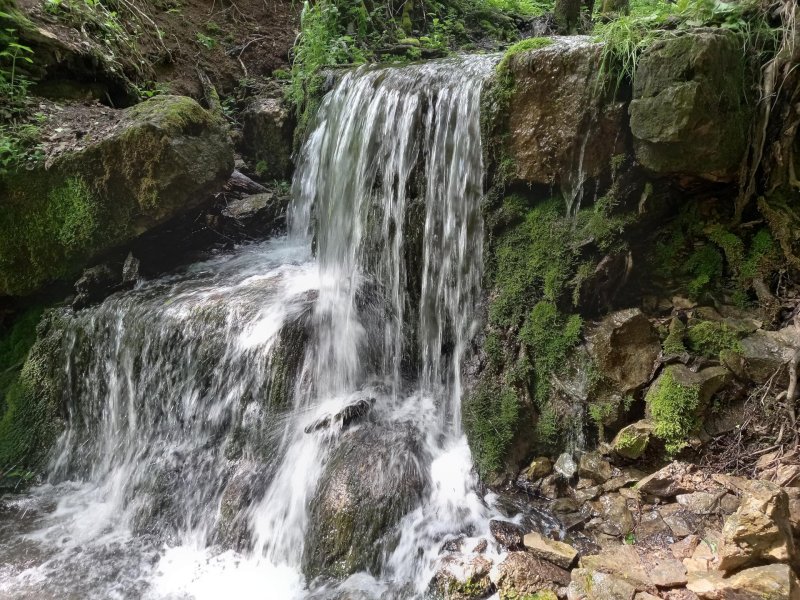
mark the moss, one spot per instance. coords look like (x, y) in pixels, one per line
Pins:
(14, 346)
(174, 113)
(491, 413)
(712, 338)
(526, 45)
(673, 343)
(601, 412)
(631, 444)
(673, 408)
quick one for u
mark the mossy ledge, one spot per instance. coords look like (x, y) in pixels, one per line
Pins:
(164, 157)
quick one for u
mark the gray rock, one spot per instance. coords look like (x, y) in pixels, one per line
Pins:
(267, 136)
(594, 467)
(566, 466)
(508, 535)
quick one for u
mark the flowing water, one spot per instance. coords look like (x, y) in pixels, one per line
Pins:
(209, 412)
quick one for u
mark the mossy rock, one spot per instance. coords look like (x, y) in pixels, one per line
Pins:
(33, 407)
(632, 440)
(372, 479)
(690, 112)
(163, 158)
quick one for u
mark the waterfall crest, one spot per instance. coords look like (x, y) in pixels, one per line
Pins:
(213, 414)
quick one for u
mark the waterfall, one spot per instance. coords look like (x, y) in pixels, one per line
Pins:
(212, 412)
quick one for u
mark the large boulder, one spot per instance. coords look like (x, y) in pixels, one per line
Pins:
(765, 353)
(759, 583)
(372, 479)
(136, 169)
(625, 346)
(689, 112)
(267, 136)
(522, 575)
(559, 124)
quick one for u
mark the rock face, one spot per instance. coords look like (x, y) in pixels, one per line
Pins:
(759, 531)
(624, 345)
(267, 130)
(372, 479)
(161, 158)
(522, 575)
(689, 113)
(557, 123)
(758, 583)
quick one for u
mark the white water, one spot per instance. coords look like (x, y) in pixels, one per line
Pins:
(186, 470)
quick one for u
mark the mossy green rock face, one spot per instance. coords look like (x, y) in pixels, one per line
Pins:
(632, 440)
(162, 158)
(267, 133)
(689, 112)
(372, 479)
(31, 419)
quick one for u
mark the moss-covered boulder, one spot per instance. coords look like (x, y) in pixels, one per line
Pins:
(560, 122)
(159, 159)
(32, 411)
(372, 479)
(690, 112)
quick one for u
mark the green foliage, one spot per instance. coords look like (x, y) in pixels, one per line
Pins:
(547, 432)
(705, 266)
(14, 346)
(71, 217)
(673, 343)
(206, 41)
(525, 45)
(712, 338)
(673, 408)
(490, 419)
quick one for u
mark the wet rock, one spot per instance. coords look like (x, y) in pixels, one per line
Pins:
(267, 136)
(245, 486)
(759, 583)
(551, 487)
(550, 141)
(625, 347)
(615, 518)
(241, 185)
(350, 414)
(522, 573)
(594, 467)
(587, 494)
(759, 531)
(588, 584)
(130, 270)
(558, 553)
(371, 480)
(686, 86)
(632, 440)
(95, 285)
(566, 466)
(564, 505)
(158, 160)
(508, 535)
(463, 578)
(539, 467)
(258, 214)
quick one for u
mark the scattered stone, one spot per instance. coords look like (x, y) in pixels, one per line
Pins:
(677, 520)
(685, 548)
(239, 183)
(759, 531)
(257, 214)
(668, 573)
(616, 518)
(765, 352)
(651, 524)
(622, 562)
(539, 467)
(758, 583)
(480, 547)
(700, 503)
(588, 584)
(632, 440)
(594, 467)
(522, 573)
(508, 535)
(625, 346)
(564, 505)
(558, 553)
(551, 487)
(463, 578)
(705, 554)
(587, 494)
(345, 417)
(668, 482)
(566, 466)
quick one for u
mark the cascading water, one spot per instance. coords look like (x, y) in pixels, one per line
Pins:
(223, 422)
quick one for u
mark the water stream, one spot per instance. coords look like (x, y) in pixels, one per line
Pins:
(209, 412)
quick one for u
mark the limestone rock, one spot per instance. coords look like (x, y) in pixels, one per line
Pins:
(463, 578)
(668, 573)
(159, 159)
(267, 136)
(759, 531)
(539, 467)
(550, 141)
(588, 584)
(632, 440)
(759, 583)
(765, 352)
(625, 347)
(689, 113)
(700, 503)
(558, 553)
(566, 466)
(621, 561)
(522, 573)
(668, 482)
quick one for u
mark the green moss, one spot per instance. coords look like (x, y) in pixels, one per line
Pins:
(673, 408)
(601, 412)
(14, 346)
(673, 343)
(526, 45)
(630, 444)
(490, 419)
(712, 338)
(175, 113)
